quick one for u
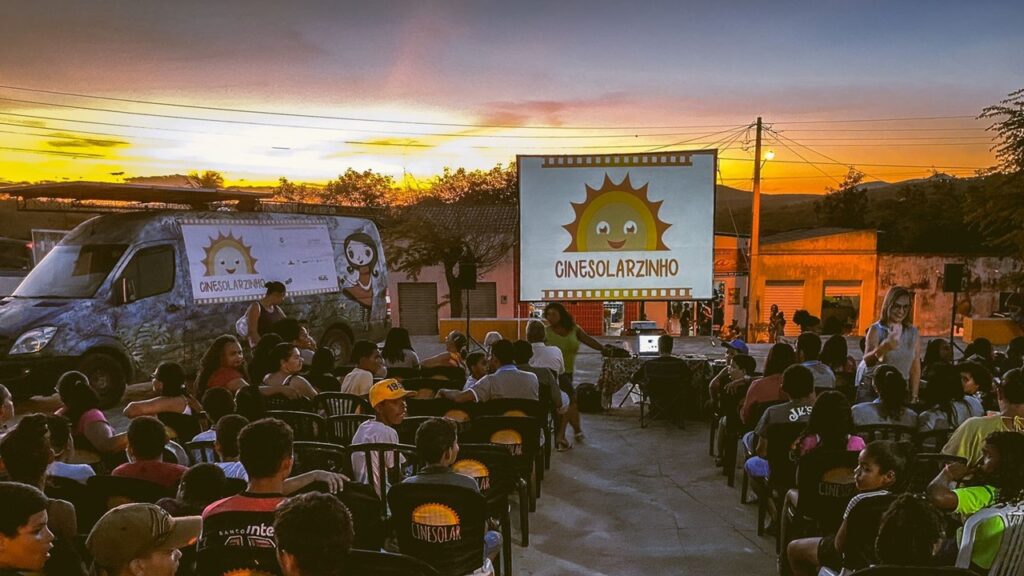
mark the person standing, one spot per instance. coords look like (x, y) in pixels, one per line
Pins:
(893, 340)
(265, 312)
(564, 334)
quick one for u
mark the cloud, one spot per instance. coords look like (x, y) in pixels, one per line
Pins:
(72, 141)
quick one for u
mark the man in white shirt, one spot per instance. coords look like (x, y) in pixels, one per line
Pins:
(544, 356)
(368, 363)
(507, 381)
(388, 400)
(808, 348)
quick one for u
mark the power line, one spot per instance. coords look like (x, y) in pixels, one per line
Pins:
(864, 164)
(821, 154)
(446, 124)
(816, 167)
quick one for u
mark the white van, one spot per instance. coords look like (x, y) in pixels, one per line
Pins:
(124, 292)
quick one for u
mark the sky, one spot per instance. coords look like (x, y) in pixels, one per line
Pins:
(106, 90)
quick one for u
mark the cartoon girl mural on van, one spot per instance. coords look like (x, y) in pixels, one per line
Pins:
(361, 253)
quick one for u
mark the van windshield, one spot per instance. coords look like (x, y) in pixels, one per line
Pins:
(71, 271)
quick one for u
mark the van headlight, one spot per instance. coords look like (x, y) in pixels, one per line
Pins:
(33, 340)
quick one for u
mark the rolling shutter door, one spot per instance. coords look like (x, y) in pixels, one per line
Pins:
(842, 289)
(789, 296)
(417, 307)
(483, 300)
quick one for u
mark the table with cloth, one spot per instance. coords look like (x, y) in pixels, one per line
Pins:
(618, 372)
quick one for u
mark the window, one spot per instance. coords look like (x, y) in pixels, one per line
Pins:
(150, 272)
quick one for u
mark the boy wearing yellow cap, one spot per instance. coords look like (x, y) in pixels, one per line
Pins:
(388, 400)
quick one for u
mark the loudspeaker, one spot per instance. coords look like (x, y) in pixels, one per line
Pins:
(954, 278)
(467, 275)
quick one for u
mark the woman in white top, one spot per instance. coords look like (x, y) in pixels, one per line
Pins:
(285, 381)
(894, 341)
(169, 384)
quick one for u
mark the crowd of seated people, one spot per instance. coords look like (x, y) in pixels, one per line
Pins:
(972, 412)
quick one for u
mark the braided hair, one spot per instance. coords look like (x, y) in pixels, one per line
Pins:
(908, 532)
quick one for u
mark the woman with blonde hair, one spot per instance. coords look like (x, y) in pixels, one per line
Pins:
(893, 340)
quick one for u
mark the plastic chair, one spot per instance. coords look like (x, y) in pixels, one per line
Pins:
(522, 407)
(306, 426)
(116, 490)
(309, 456)
(521, 437)
(441, 525)
(663, 377)
(925, 467)
(280, 403)
(492, 468)
(407, 429)
(383, 464)
(329, 404)
(825, 484)
(456, 375)
(756, 413)
(340, 429)
(88, 508)
(403, 373)
(200, 452)
(369, 563)
(184, 426)
(427, 388)
(782, 475)
(462, 414)
(1009, 560)
(893, 432)
(932, 440)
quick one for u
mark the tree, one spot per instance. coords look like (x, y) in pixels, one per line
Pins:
(997, 207)
(289, 191)
(433, 233)
(845, 206)
(499, 185)
(208, 179)
(366, 188)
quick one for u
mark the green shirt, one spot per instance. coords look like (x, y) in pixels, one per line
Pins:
(568, 344)
(988, 536)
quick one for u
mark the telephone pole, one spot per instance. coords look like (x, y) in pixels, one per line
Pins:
(755, 238)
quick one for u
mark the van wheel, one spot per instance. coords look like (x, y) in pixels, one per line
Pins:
(338, 341)
(106, 377)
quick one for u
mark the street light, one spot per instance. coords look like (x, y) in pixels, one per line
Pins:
(769, 155)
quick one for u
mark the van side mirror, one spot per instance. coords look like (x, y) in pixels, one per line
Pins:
(125, 291)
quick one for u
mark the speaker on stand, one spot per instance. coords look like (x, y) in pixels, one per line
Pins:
(954, 279)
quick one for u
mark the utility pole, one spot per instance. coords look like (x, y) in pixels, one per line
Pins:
(755, 237)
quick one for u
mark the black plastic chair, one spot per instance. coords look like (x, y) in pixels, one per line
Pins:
(926, 466)
(384, 465)
(403, 373)
(116, 490)
(184, 426)
(672, 384)
(893, 432)
(825, 485)
(521, 407)
(494, 471)
(407, 429)
(200, 452)
(306, 426)
(782, 469)
(280, 403)
(369, 563)
(309, 456)
(329, 404)
(521, 437)
(932, 440)
(462, 414)
(441, 525)
(340, 429)
(756, 412)
(426, 388)
(88, 508)
(455, 375)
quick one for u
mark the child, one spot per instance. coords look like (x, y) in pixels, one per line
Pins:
(910, 534)
(997, 478)
(882, 468)
(477, 364)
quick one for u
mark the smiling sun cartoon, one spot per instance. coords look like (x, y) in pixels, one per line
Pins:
(227, 255)
(616, 218)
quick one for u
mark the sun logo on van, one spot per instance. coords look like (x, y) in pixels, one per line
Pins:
(616, 218)
(227, 256)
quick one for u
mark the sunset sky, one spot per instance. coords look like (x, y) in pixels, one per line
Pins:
(411, 87)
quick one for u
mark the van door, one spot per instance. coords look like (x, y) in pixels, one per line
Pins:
(151, 315)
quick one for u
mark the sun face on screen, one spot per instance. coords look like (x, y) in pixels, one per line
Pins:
(227, 255)
(616, 218)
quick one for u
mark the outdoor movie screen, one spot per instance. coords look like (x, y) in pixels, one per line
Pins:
(617, 226)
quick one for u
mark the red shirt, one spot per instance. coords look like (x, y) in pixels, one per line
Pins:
(162, 473)
(222, 377)
(766, 389)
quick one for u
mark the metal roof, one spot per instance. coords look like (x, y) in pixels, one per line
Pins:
(807, 234)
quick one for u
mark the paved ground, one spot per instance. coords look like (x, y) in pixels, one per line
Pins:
(628, 501)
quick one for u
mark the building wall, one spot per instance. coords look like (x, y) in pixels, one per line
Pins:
(922, 273)
(502, 275)
(849, 256)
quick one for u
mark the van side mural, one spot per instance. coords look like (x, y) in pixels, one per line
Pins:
(361, 253)
(232, 260)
